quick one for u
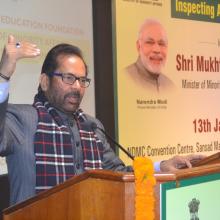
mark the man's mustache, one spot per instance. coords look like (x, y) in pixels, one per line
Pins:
(156, 57)
(73, 94)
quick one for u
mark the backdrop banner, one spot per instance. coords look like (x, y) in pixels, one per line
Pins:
(176, 110)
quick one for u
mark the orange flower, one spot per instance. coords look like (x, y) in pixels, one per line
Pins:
(144, 188)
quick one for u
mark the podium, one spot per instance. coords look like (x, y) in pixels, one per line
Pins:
(98, 195)
(95, 194)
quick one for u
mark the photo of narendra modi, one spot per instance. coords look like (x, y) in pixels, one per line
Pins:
(152, 46)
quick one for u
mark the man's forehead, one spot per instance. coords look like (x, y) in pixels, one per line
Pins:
(72, 64)
(70, 59)
(63, 57)
(154, 32)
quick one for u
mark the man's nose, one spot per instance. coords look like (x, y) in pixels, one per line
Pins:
(156, 48)
(76, 84)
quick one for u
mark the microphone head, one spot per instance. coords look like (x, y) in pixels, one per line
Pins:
(90, 124)
(93, 126)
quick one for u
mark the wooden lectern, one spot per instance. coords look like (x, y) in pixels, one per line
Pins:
(95, 195)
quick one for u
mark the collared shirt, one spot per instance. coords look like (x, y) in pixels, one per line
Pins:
(76, 142)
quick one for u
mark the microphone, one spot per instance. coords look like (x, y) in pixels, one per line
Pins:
(94, 126)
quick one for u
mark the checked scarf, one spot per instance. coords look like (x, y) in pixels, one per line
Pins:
(53, 147)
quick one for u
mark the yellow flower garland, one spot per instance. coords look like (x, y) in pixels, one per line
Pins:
(144, 187)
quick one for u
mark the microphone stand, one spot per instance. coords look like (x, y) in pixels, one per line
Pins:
(113, 141)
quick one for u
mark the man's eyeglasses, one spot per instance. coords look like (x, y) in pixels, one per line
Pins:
(70, 79)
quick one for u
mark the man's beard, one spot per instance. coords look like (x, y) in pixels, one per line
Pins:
(151, 67)
(60, 102)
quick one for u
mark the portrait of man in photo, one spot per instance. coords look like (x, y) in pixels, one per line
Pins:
(152, 47)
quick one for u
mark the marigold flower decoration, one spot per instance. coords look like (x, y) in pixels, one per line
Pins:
(144, 187)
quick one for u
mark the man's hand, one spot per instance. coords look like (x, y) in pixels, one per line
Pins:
(13, 53)
(180, 162)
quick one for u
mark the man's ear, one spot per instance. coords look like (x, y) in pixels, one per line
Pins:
(138, 45)
(44, 82)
